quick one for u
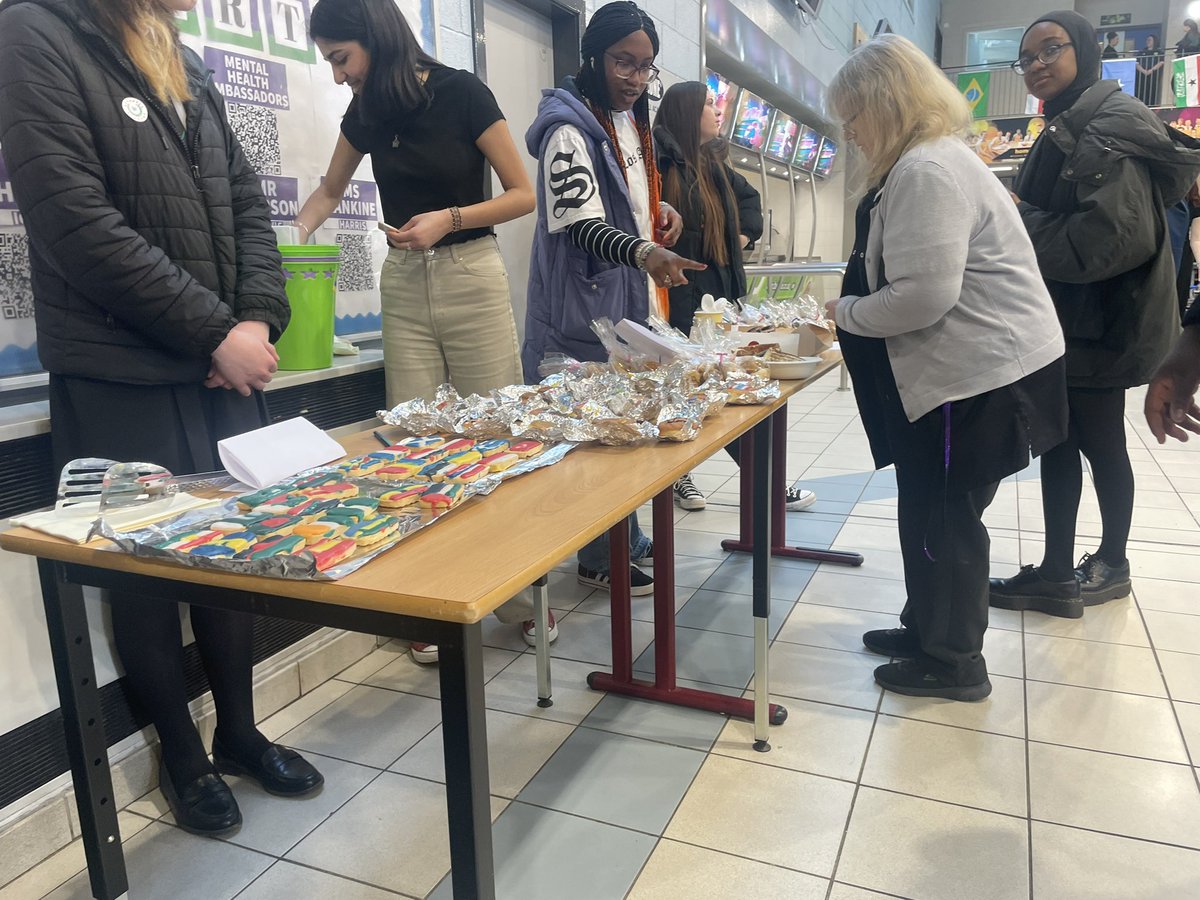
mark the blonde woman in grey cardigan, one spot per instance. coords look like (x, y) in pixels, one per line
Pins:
(954, 347)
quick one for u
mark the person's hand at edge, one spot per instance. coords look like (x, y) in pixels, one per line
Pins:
(1170, 406)
(245, 360)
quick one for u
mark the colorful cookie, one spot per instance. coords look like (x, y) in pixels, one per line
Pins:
(268, 495)
(235, 523)
(239, 540)
(429, 454)
(365, 466)
(330, 552)
(458, 445)
(185, 542)
(436, 471)
(321, 530)
(442, 496)
(276, 545)
(367, 504)
(372, 531)
(334, 490)
(468, 473)
(213, 551)
(400, 471)
(317, 480)
(420, 443)
(462, 457)
(400, 497)
(498, 462)
(496, 445)
(276, 525)
(525, 449)
(344, 515)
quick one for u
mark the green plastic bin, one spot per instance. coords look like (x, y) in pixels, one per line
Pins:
(311, 271)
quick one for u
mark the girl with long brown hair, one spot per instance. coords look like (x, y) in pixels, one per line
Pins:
(157, 292)
(722, 215)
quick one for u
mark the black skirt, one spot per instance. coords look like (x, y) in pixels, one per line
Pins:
(173, 425)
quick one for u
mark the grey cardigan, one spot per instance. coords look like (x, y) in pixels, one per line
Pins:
(964, 309)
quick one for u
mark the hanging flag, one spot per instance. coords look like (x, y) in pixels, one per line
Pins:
(1185, 81)
(974, 86)
(1122, 71)
(1033, 106)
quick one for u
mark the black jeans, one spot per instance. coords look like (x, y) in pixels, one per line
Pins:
(944, 545)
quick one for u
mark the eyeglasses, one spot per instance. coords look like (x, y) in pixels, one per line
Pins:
(1045, 56)
(849, 132)
(626, 69)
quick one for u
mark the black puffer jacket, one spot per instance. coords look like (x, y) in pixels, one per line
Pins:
(146, 248)
(1100, 232)
(742, 206)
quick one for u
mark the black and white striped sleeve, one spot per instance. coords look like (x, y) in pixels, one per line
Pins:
(603, 241)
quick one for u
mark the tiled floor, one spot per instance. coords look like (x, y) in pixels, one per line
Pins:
(1074, 779)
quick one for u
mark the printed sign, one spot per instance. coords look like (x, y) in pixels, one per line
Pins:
(246, 79)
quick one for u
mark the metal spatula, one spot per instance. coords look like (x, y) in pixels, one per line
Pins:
(109, 485)
(81, 480)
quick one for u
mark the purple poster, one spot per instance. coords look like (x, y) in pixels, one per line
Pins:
(247, 79)
(283, 196)
(359, 206)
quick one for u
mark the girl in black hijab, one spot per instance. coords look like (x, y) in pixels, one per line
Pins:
(1093, 196)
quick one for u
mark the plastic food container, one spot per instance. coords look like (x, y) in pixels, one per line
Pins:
(311, 271)
(794, 369)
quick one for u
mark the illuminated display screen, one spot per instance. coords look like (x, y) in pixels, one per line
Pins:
(724, 94)
(826, 157)
(750, 123)
(782, 144)
(808, 146)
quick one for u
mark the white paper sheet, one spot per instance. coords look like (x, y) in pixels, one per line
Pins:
(266, 455)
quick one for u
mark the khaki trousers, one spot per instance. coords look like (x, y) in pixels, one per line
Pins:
(447, 316)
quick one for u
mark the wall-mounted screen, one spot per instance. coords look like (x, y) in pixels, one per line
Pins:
(808, 147)
(751, 121)
(724, 93)
(825, 157)
(782, 144)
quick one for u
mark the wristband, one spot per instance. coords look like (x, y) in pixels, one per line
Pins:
(455, 219)
(642, 254)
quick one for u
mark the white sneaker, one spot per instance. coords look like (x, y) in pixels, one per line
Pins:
(529, 630)
(687, 495)
(795, 500)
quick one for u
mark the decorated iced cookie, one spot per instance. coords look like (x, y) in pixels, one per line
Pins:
(462, 457)
(276, 525)
(185, 542)
(525, 449)
(317, 480)
(275, 545)
(367, 504)
(236, 523)
(334, 490)
(429, 454)
(400, 471)
(424, 442)
(344, 515)
(365, 466)
(457, 445)
(442, 496)
(436, 471)
(321, 530)
(239, 540)
(214, 551)
(372, 531)
(329, 553)
(405, 495)
(466, 474)
(496, 445)
(498, 462)
(265, 497)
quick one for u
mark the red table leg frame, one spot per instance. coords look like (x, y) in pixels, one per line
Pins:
(779, 546)
(664, 688)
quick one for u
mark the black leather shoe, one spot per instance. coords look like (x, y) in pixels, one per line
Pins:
(917, 678)
(1099, 582)
(1028, 590)
(205, 806)
(898, 643)
(280, 770)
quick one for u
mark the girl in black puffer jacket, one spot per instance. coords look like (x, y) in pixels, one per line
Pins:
(157, 293)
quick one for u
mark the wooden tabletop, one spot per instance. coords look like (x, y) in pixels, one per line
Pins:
(486, 550)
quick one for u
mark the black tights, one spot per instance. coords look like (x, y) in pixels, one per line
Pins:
(150, 644)
(1096, 428)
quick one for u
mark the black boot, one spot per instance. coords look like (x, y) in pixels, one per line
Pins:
(1099, 582)
(897, 643)
(1028, 590)
(280, 770)
(922, 678)
(205, 806)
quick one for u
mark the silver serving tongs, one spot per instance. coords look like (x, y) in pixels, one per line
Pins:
(106, 484)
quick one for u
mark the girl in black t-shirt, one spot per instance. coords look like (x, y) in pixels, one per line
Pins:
(432, 133)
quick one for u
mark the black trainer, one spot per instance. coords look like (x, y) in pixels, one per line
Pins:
(1099, 582)
(919, 678)
(640, 584)
(897, 643)
(1028, 590)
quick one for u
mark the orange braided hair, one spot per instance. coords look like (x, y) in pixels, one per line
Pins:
(653, 179)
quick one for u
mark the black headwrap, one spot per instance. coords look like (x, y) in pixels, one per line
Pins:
(612, 22)
(1087, 58)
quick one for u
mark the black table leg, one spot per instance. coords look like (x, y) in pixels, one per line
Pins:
(464, 739)
(83, 728)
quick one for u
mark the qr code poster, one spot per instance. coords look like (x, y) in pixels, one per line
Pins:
(286, 112)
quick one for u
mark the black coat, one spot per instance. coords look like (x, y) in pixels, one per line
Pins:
(1098, 225)
(146, 248)
(743, 216)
